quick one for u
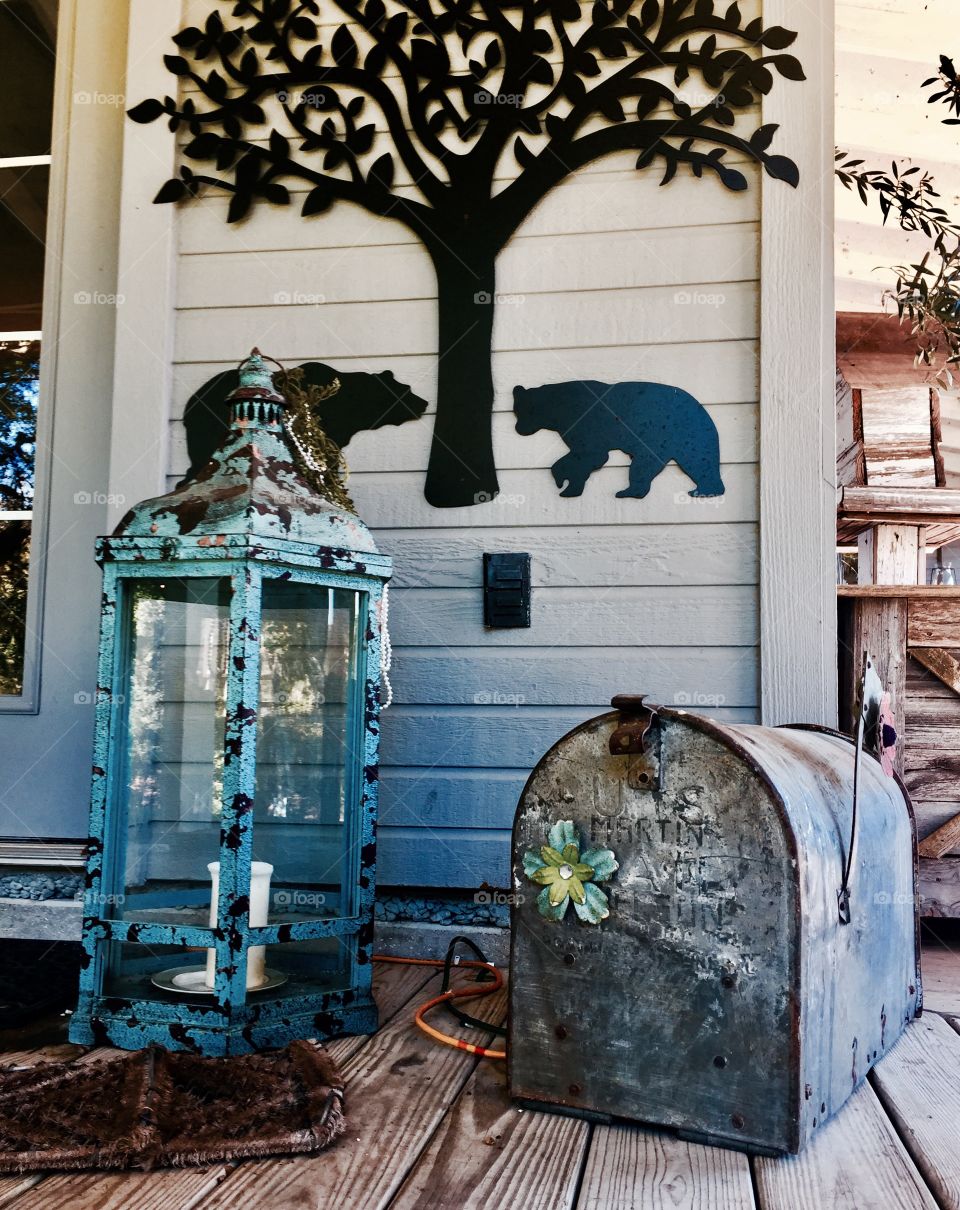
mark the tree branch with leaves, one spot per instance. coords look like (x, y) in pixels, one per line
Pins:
(456, 117)
(927, 292)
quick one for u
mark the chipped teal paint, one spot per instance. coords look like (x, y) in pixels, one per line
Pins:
(247, 515)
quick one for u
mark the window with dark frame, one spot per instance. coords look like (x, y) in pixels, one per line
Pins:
(27, 66)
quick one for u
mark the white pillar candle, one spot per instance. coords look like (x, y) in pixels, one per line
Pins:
(260, 874)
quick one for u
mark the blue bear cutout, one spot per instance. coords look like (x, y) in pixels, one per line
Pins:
(653, 423)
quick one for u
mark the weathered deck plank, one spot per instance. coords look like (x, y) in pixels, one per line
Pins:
(172, 1189)
(919, 1085)
(399, 1086)
(488, 1152)
(12, 1186)
(394, 985)
(64, 1052)
(940, 967)
(629, 1168)
(856, 1162)
(429, 1128)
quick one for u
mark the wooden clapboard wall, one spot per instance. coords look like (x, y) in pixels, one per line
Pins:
(612, 278)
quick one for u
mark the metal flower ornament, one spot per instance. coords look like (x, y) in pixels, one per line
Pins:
(567, 874)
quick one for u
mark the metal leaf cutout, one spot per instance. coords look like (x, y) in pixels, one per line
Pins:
(457, 88)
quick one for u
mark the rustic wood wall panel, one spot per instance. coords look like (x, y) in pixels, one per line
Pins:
(932, 775)
(851, 469)
(940, 887)
(877, 625)
(610, 278)
(934, 623)
(897, 437)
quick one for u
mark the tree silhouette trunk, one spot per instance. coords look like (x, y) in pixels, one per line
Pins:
(461, 470)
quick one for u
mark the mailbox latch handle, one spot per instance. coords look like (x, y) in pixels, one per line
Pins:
(630, 736)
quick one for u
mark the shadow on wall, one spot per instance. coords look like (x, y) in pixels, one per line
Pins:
(364, 401)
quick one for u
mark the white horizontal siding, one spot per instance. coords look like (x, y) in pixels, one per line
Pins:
(616, 279)
(409, 446)
(555, 320)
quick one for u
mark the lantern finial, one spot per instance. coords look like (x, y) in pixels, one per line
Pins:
(256, 386)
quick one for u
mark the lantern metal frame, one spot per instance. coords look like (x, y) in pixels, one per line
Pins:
(232, 1020)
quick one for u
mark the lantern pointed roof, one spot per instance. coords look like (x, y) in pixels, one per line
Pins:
(251, 486)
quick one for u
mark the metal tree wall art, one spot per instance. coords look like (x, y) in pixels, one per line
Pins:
(454, 95)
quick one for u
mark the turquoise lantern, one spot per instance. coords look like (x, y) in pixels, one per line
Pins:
(231, 860)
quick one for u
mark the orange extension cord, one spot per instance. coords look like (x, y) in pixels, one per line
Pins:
(454, 993)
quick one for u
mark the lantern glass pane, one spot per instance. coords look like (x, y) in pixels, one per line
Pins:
(308, 968)
(172, 738)
(139, 971)
(309, 748)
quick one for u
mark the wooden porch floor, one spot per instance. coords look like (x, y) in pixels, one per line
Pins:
(429, 1126)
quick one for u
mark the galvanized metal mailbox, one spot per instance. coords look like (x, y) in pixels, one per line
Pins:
(680, 955)
(230, 876)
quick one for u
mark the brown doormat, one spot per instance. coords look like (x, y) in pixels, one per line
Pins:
(155, 1108)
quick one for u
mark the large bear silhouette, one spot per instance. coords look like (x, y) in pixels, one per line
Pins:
(364, 401)
(653, 423)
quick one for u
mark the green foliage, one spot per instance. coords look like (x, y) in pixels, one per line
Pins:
(19, 369)
(926, 293)
(482, 73)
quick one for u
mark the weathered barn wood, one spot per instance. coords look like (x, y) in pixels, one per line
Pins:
(941, 841)
(940, 887)
(877, 625)
(942, 662)
(930, 817)
(11, 1187)
(886, 435)
(934, 622)
(892, 554)
(941, 981)
(935, 509)
(897, 435)
(911, 630)
(932, 757)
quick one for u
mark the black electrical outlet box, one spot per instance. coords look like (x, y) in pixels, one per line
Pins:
(506, 590)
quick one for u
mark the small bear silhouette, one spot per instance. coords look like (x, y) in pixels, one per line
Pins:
(653, 423)
(364, 401)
